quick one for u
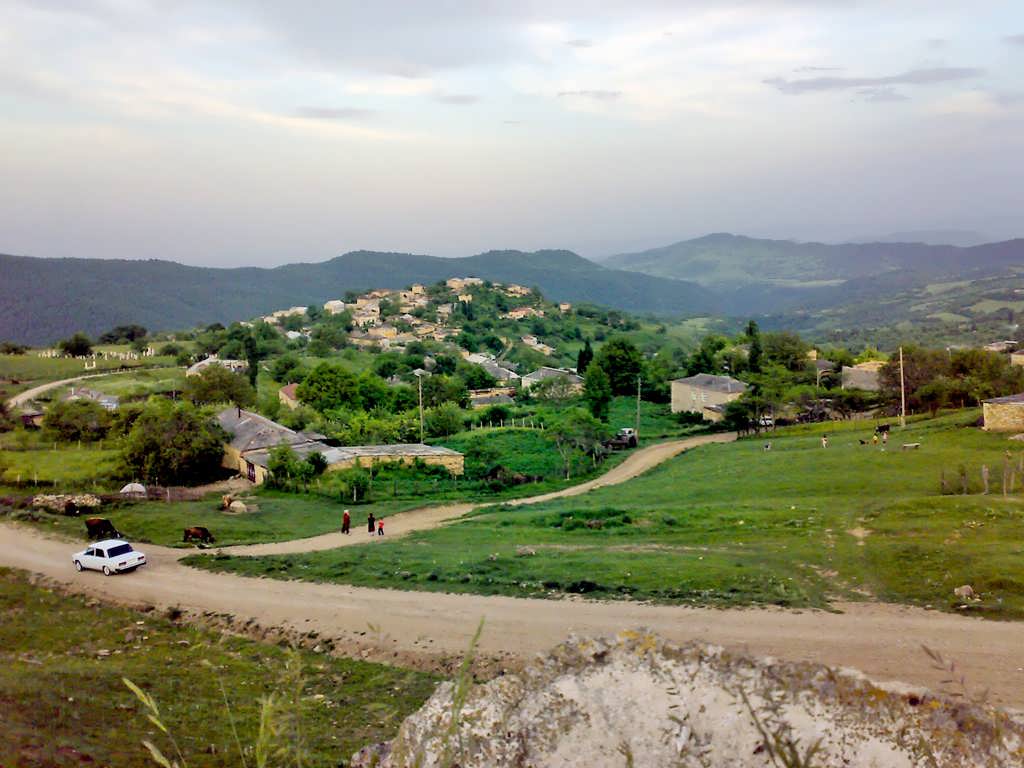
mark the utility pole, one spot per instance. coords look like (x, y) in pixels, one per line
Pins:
(903, 394)
(419, 382)
(637, 428)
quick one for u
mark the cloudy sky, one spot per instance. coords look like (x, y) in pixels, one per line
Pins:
(262, 132)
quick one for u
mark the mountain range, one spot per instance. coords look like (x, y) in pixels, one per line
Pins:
(43, 300)
(813, 286)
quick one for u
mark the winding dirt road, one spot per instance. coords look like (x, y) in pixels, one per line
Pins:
(883, 641)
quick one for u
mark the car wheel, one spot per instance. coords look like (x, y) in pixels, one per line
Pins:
(78, 566)
(106, 570)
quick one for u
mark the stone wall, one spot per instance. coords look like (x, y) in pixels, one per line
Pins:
(1004, 417)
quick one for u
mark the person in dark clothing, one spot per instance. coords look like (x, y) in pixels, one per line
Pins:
(370, 523)
(346, 522)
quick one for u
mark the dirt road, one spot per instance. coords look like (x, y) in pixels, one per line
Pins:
(29, 394)
(883, 641)
(430, 517)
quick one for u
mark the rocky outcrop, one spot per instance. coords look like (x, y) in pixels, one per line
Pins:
(66, 504)
(637, 701)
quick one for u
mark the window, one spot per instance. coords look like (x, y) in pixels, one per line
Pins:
(98, 553)
(120, 549)
(90, 552)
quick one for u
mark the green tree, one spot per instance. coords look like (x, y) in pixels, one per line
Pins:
(329, 386)
(584, 358)
(622, 362)
(476, 377)
(173, 444)
(287, 369)
(77, 345)
(597, 391)
(124, 334)
(578, 434)
(756, 351)
(787, 349)
(374, 392)
(444, 420)
(70, 420)
(216, 384)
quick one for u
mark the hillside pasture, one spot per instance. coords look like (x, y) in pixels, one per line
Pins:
(798, 525)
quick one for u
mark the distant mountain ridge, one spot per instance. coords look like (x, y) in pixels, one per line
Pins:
(725, 261)
(42, 300)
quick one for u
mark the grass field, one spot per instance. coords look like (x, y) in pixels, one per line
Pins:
(64, 704)
(735, 525)
(21, 372)
(140, 383)
(69, 467)
(275, 516)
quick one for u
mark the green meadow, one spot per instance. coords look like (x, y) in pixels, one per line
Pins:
(64, 702)
(726, 525)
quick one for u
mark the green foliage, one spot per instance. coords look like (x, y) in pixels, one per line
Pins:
(475, 376)
(173, 444)
(123, 334)
(329, 386)
(287, 369)
(12, 348)
(584, 357)
(444, 420)
(82, 419)
(597, 392)
(77, 345)
(216, 384)
(622, 362)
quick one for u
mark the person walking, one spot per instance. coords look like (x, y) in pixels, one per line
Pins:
(370, 520)
(824, 441)
(380, 527)
(346, 522)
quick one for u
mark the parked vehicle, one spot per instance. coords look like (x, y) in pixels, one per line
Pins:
(624, 438)
(109, 556)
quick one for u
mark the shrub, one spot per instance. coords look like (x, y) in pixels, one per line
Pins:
(82, 420)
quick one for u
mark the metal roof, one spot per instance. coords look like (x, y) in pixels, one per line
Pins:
(714, 383)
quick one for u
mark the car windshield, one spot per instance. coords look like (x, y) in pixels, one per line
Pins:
(120, 549)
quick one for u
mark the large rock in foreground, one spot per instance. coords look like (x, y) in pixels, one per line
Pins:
(636, 701)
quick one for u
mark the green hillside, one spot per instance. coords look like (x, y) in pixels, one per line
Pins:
(47, 299)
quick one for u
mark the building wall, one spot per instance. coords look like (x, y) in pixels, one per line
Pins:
(1017, 358)
(686, 397)
(453, 463)
(1003, 417)
(285, 400)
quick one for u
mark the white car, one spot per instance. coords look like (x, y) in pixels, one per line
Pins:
(110, 556)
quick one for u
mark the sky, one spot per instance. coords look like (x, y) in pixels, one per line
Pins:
(254, 132)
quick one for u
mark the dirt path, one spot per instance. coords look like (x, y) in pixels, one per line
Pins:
(431, 517)
(883, 641)
(30, 394)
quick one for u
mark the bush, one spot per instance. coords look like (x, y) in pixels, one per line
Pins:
(83, 420)
(77, 345)
(444, 420)
(173, 444)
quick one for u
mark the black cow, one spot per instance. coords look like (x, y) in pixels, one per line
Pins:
(881, 428)
(198, 533)
(100, 528)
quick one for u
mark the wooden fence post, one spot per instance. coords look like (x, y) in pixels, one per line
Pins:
(984, 478)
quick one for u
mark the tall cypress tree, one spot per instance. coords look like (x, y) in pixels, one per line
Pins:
(584, 358)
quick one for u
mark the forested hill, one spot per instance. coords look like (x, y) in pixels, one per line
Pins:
(42, 300)
(733, 261)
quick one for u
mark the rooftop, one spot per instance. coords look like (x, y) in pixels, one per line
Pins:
(250, 431)
(714, 383)
(1009, 399)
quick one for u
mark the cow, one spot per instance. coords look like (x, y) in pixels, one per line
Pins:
(100, 528)
(881, 428)
(198, 533)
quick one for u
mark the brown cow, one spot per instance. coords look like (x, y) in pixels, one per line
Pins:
(100, 528)
(198, 533)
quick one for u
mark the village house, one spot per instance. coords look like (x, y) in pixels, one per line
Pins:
(564, 307)
(1017, 358)
(458, 284)
(1002, 347)
(517, 290)
(545, 372)
(287, 396)
(484, 398)
(108, 402)
(235, 366)
(500, 373)
(534, 343)
(334, 307)
(521, 313)
(253, 437)
(384, 331)
(706, 394)
(862, 376)
(444, 311)
(465, 298)
(1003, 414)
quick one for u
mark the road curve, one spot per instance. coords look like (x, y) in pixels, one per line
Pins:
(883, 641)
(425, 518)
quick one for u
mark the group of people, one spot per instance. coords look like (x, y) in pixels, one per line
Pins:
(372, 524)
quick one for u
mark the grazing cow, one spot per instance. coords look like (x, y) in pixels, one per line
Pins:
(882, 428)
(198, 533)
(100, 528)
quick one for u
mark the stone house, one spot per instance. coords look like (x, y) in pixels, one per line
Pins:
(287, 396)
(235, 366)
(252, 438)
(544, 372)
(862, 376)
(706, 394)
(1004, 414)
